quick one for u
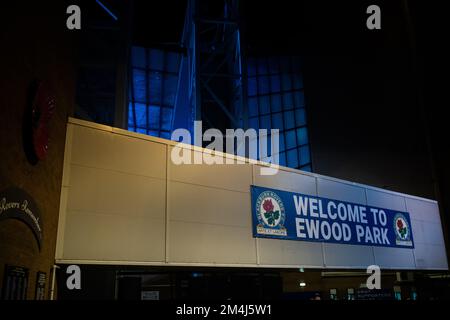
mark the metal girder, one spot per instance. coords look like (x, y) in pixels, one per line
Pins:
(212, 36)
(219, 103)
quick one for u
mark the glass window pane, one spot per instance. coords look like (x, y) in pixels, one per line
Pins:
(273, 66)
(131, 123)
(283, 159)
(277, 121)
(264, 107)
(282, 145)
(153, 114)
(302, 136)
(275, 102)
(141, 115)
(290, 139)
(170, 89)
(253, 107)
(263, 85)
(265, 122)
(292, 158)
(138, 57)
(304, 155)
(288, 102)
(286, 79)
(154, 87)
(253, 123)
(287, 114)
(300, 117)
(262, 66)
(172, 61)
(299, 99)
(157, 86)
(156, 59)
(139, 85)
(166, 119)
(275, 83)
(289, 119)
(165, 135)
(252, 89)
(306, 168)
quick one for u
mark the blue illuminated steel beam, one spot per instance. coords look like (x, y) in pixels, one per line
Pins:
(218, 88)
(107, 10)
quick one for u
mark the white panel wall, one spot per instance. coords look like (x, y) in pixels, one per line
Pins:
(113, 199)
(397, 258)
(207, 218)
(427, 233)
(336, 255)
(286, 180)
(124, 202)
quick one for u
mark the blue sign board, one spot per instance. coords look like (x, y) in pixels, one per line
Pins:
(293, 216)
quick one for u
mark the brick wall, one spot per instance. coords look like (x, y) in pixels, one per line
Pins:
(35, 44)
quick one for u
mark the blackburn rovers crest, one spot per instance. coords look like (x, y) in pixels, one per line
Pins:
(271, 214)
(402, 230)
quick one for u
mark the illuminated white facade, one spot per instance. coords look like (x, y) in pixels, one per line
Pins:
(124, 202)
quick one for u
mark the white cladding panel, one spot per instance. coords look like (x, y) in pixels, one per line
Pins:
(226, 176)
(209, 225)
(286, 180)
(390, 257)
(429, 251)
(430, 257)
(394, 258)
(342, 255)
(327, 188)
(123, 201)
(336, 255)
(103, 237)
(114, 198)
(381, 199)
(290, 253)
